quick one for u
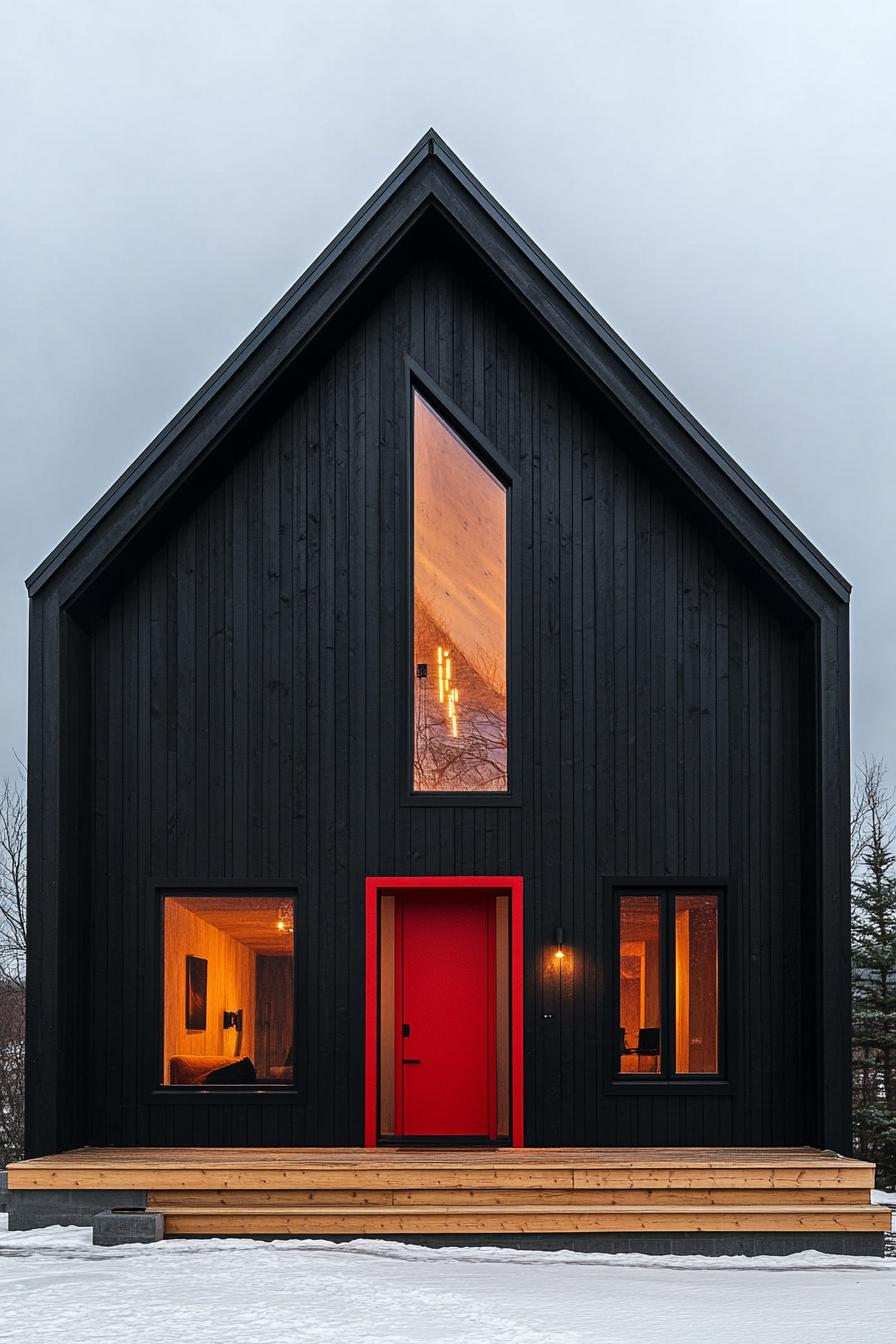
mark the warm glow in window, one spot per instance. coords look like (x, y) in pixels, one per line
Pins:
(639, 984)
(228, 990)
(696, 984)
(460, 614)
(669, 984)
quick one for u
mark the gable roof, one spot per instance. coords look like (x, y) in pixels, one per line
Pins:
(432, 177)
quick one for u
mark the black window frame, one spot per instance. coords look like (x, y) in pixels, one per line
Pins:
(418, 381)
(152, 1068)
(666, 1079)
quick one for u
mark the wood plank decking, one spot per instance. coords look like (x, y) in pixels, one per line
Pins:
(383, 1191)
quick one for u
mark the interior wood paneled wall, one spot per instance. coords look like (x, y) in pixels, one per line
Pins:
(231, 985)
(274, 1015)
(249, 701)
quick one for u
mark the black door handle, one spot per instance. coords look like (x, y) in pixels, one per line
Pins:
(410, 1061)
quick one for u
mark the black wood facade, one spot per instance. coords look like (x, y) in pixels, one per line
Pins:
(218, 692)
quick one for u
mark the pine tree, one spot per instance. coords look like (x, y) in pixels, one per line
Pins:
(874, 971)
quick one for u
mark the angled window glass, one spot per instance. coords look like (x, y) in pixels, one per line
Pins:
(459, 613)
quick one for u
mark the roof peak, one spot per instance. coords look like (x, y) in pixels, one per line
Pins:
(392, 210)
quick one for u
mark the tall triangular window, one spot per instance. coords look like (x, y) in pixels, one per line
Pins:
(459, 613)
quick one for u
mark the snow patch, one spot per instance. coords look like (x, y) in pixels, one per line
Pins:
(63, 1241)
(55, 1285)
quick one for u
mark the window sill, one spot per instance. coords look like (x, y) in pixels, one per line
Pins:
(681, 1087)
(248, 1094)
(436, 799)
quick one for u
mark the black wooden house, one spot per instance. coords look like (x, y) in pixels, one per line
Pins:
(438, 751)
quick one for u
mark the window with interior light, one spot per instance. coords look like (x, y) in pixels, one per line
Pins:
(228, 998)
(460, 526)
(668, 983)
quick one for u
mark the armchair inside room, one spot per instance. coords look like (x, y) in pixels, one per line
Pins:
(209, 1070)
(648, 1047)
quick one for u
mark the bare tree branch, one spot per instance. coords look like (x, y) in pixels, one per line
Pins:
(12, 1071)
(873, 810)
(13, 866)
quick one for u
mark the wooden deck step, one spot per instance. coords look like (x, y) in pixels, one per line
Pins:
(273, 1199)
(525, 1218)
(769, 1179)
(384, 1169)
(323, 1192)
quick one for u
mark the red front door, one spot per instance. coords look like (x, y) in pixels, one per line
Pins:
(445, 1019)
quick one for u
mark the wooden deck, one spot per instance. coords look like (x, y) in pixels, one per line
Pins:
(381, 1191)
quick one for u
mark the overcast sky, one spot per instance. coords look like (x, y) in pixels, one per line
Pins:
(717, 178)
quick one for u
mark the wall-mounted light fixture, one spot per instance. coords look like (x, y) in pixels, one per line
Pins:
(559, 954)
(233, 1019)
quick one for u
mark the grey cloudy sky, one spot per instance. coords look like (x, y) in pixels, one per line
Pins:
(718, 179)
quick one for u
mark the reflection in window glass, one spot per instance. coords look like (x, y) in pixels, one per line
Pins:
(639, 984)
(228, 990)
(460, 621)
(696, 984)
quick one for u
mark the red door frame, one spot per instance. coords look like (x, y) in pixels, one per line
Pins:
(373, 887)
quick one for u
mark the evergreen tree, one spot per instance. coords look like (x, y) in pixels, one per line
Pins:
(874, 972)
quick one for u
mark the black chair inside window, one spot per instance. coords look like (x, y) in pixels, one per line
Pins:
(649, 1046)
(625, 1049)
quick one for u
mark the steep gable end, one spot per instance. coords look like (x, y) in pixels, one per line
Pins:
(431, 179)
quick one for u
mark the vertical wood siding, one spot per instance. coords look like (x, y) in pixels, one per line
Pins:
(248, 713)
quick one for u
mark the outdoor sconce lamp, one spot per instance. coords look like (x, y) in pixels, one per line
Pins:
(233, 1019)
(558, 939)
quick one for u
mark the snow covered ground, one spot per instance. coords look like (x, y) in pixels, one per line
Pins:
(54, 1285)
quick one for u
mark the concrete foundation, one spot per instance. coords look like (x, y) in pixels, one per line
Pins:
(647, 1243)
(29, 1209)
(124, 1227)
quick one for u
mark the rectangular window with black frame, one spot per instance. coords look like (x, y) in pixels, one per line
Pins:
(228, 1000)
(668, 983)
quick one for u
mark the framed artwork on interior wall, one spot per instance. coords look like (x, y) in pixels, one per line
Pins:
(197, 992)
